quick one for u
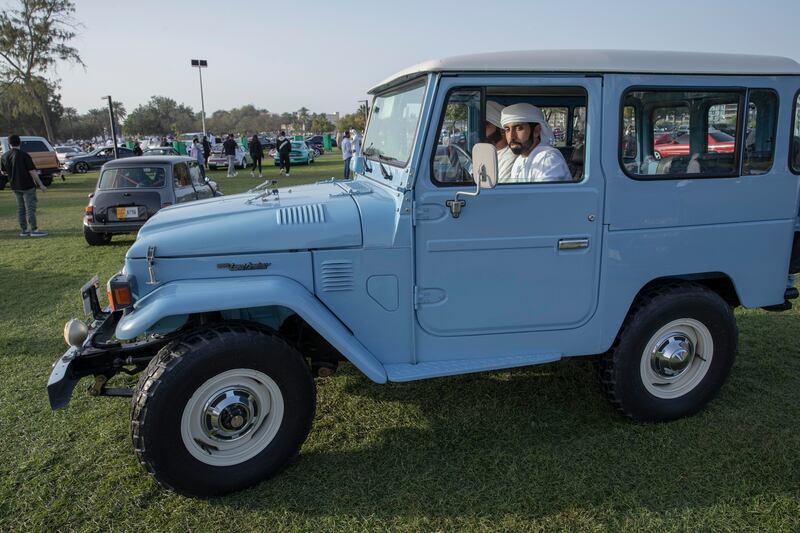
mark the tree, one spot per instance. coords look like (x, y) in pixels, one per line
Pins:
(321, 124)
(159, 116)
(32, 38)
(351, 121)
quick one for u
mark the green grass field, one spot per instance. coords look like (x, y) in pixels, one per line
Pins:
(530, 449)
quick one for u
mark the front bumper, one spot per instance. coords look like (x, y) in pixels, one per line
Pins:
(100, 355)
(62, 380)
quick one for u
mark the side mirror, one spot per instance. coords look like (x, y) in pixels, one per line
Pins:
(484, 174)
(357, 164)
(484, 166)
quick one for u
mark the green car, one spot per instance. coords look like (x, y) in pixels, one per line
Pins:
(300, 154)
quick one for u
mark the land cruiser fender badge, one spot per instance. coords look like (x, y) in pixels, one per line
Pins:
(151, 254)
(235, 267)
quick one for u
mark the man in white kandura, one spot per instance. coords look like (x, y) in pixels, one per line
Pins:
(494, 134)
(529, 136)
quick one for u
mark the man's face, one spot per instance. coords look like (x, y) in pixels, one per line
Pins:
(520, 138)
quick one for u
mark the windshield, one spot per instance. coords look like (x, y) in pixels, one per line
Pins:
(131, 178)
(393, 124)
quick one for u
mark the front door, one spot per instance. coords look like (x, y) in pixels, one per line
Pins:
(522, 257)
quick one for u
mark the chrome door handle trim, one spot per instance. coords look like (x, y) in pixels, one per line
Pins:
(572, 244)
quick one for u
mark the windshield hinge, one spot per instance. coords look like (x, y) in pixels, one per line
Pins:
(151, 254)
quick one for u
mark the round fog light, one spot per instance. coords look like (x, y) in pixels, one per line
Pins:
(75, 332)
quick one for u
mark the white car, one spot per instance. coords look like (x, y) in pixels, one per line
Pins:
(66, 152)
(219, 160)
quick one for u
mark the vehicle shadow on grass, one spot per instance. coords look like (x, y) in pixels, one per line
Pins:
(529, 443)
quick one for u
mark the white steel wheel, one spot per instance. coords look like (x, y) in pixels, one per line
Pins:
(232, 417)
(676, 358)
(672, 354)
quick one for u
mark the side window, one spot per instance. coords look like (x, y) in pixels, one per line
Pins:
(557, 118)
(680, 133)
(180, 173)
(195, 175)
(461, 128)
(760, 129)
(579, 126)
(33, 146)
(628, 146)
(794, 150)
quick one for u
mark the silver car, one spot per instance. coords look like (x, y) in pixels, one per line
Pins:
(131, 190)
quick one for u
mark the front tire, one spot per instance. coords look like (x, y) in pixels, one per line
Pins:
(81, 167)
(672, 355)
(221, 410)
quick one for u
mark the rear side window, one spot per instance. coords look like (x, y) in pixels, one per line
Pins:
(674, 133)
(181, 175)
(794, 151)
(760, 129)
(131, 178)
(33, 146)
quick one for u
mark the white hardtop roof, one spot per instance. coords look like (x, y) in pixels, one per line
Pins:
(601, 61)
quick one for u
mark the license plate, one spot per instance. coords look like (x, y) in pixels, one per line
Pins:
(127, 212)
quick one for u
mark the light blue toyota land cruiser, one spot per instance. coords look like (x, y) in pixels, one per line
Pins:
(677, 202)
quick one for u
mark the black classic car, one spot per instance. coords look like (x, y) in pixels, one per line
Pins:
(95, 159)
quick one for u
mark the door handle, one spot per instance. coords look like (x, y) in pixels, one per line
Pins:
(572, 244)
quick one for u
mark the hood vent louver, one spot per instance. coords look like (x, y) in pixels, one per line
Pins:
(337, 276)
(301, 214)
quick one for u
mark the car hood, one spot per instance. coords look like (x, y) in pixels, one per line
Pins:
(316, 216)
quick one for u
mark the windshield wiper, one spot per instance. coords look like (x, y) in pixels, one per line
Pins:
(386, 174)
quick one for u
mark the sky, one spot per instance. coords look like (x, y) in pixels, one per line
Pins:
(284, 55)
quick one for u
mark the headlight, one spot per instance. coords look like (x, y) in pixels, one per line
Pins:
(75, 332)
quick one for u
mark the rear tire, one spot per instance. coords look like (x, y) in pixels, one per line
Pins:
(94, 238)
(221, 410)
(672, 355)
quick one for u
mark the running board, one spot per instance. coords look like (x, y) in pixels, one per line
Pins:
(437, 369)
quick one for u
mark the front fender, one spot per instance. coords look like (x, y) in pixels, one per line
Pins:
(206, 295)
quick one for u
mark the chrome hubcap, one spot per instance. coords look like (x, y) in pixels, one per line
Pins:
(230, 414)
(676, 358)
(672, 355)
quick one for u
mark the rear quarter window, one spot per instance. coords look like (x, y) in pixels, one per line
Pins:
(132, 178)
(34, 146)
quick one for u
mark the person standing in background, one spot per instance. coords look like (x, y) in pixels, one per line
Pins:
(257, 153)
(24, 179)
(229, 147)
(284, 147)
(347, 153)
(206, 151)
(196, 153)
(356, 143)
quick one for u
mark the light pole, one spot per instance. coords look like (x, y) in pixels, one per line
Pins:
(201, 64)
(113, 129)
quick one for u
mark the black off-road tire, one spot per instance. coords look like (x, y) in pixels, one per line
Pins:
(94, 238)
(619, 369)
(179, 369)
